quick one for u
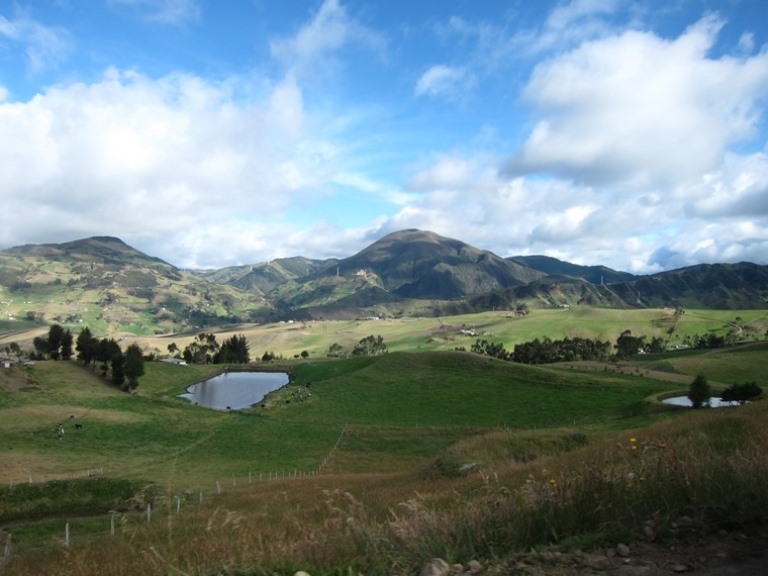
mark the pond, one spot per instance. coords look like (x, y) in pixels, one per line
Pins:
(714, 402)
(235, 390)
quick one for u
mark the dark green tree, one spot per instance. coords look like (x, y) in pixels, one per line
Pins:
(134, 365)
(370, 346)
(105, 350)
(41, 346)
(118, 368)
(66, 345)
(86, 346)
(699, 392)
(628, 345)
(55, 337)
(202, 350)
(742, 393)
(233, 350)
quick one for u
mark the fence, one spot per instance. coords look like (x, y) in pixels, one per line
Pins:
(176, 500)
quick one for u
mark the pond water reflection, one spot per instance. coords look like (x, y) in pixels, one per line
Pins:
(235, 390)
(683, 401)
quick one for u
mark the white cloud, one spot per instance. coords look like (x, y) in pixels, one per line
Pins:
(636, 108)
(159, 161)
(44, 46)
(330, 29)
(174, 12)
(444, 82)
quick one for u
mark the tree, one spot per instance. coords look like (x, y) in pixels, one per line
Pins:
(202, 350)
(334, 350)
(370, 346)
(86, 346)
(118, 368)
(106, 350)
(699, 392)
(134, 365)
(41, 346)
(66, 345)
(742, 393)
(628, 345)
(233, 350)
(55, 337)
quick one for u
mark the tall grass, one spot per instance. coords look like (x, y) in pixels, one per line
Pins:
(709, 467)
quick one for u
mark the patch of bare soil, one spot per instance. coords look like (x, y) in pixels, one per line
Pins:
(736, 551)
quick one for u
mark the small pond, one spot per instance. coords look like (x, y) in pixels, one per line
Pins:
(683, 401)
(235, 390)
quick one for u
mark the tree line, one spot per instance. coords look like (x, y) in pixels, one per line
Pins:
(205, 349)
(124, 367)
(546, 350)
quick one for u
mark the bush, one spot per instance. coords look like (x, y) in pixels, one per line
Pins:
(699, 393)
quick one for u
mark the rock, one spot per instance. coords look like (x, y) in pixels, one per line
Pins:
(649, 532)
(622, 550)
(301, 573)
(679, 567)
(436, 567)
(474, 567)
(457, 569)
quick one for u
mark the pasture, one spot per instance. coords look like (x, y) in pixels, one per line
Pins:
(379, 445)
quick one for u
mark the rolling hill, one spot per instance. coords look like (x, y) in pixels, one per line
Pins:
(116, 289)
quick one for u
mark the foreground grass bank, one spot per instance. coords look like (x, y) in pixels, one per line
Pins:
(696, 473)
(390, 461)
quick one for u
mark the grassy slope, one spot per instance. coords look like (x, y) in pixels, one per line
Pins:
(394, 413)
(156, 436)
(708, 466)
(410, 334)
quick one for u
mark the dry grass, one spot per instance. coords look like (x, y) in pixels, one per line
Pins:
(710, 466)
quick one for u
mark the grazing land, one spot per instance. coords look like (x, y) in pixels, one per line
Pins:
(378, 464)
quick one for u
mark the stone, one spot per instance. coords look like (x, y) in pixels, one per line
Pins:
(649, 532)
(474, 567)
(436, 567)
(622, 550)
(679, 567)
(301, 573)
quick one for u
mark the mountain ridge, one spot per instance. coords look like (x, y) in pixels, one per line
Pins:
(106, 283)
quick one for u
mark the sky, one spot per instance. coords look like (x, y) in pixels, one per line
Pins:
(214, 133)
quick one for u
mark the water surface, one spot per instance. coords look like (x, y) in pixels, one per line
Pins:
(235, 390)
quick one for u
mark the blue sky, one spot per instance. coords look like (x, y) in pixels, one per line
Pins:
(217, 133)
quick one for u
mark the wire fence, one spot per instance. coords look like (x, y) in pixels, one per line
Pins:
(142, 512)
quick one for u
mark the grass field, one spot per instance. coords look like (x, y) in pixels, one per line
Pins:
(412, 334)
(367, 471)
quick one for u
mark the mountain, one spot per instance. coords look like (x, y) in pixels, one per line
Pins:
(417, 264)
(114, 288)
(554, 267)
(106, 284)
(705, 286)
(266, 276)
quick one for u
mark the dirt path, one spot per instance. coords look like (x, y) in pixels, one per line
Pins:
(742, 551)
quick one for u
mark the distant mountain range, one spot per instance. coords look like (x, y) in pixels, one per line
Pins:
(111, 286)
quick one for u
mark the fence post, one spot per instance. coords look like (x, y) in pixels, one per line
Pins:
(218, 487)
(66, 535)
(178, 504)
(201, 496)
(112, 525)
(8, 548)
(149, 513)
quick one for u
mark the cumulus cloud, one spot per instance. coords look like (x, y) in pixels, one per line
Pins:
(636, 108)
(179, 157)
